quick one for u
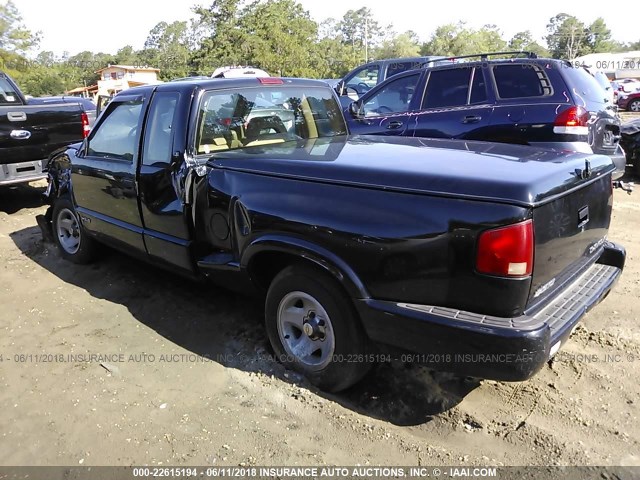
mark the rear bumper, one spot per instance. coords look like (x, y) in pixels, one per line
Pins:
(21, 172)
(472, 344)
(620, 161)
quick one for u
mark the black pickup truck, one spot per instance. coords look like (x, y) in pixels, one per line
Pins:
(31, 129)
(478, 258)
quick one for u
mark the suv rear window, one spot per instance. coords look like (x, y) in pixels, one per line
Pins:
(583, 85)
(521, 80)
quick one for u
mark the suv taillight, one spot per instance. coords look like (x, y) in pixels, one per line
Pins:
(506, 251)
(573, 120)
(85, 125)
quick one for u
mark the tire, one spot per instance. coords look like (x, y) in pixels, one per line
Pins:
(634, 106)
(72, 241)
(314, 329)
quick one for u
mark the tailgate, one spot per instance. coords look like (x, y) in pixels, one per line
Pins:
(32, 132)
(569, 235)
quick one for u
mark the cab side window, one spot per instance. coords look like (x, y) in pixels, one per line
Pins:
(116, 136)
(447, 88)
(158, 136)
(395, 97)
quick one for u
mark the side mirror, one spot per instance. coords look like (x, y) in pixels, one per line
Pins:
(355, 110)
(352, 93)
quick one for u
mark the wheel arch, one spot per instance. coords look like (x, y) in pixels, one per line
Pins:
(266, 256)
(59, 174)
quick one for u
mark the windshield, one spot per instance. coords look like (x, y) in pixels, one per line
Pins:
(247, 117)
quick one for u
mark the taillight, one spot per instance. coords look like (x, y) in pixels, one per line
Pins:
(85, 125)
(506, 251)
(573, 121)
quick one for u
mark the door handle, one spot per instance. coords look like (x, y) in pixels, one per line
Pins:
(16, 116)
(394, 125)
(471, 119)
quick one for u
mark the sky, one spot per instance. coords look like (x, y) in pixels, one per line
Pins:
(73, 26)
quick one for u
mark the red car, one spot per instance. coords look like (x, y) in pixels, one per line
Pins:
(629, 101)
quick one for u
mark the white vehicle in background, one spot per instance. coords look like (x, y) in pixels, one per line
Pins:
(238, 72)
(628, 85)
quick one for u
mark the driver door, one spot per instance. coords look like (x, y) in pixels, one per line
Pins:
(387, 109)
(103, 175)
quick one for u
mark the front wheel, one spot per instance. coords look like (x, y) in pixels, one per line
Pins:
(314, 329)
(72, 241)
(634, 106)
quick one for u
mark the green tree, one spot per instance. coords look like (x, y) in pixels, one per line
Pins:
(567, 37)
(220, 35)
(456, 39)
(127, 56)
(41, 81)
(403, 45)
(360, 30)
(330, 58)
(167, 48)
(599, 37)
(274, 35)
(14, 36)
(278, 34)
(523, 41)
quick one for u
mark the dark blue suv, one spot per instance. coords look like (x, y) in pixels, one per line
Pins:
(530, 101)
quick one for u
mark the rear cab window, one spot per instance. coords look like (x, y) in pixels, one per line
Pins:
(235, 119)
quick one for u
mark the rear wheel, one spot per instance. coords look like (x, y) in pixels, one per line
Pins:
(314, 329)
(72, 241)
(634, 105)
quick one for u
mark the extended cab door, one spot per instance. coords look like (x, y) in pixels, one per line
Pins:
(103, 175)
(455, 104)
(164, 213)
(387, 109)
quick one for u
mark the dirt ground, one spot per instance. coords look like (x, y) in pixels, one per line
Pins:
(108, 365)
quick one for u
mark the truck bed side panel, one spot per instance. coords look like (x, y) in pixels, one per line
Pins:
(404, 247)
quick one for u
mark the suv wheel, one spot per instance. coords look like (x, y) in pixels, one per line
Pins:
(634, 106)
